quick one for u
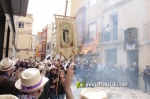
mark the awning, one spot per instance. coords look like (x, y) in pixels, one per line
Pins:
(14, 7)
(18, 7)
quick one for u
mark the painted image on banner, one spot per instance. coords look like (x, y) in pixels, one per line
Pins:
(66, 35)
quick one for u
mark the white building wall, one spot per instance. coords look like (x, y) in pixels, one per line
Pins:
(131, 14)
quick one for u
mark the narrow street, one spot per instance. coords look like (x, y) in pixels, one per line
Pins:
(116, 93)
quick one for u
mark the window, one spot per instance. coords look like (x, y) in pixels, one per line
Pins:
(48, 46)
(111, 55)
(92, 31)
(54, 29)
(43, 36)
(92, 2)
(40, 47)
(146, 31)
(44, 46)
(106, 33)
(114, 26)
(21, 24)
(108, 3)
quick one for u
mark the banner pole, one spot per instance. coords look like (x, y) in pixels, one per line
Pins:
(58, 73)
(66, 7)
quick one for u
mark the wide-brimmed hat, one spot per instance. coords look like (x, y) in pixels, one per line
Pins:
(6, 64)
(8, 97)
(89, 93)
(30, 80)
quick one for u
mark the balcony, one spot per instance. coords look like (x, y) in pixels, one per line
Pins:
(113, 38)
(108, 36)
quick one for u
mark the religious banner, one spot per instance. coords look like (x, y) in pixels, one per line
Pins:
(65, 36)
(130, 39)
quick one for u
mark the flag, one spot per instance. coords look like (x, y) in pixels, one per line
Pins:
(65, 36)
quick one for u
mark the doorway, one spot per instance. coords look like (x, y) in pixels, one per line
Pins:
(111, 56)
(132, 56)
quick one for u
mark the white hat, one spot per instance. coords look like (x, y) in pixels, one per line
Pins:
(8, 97)
(90, 93)
(6, 64)
(30, 80)
(41, 67)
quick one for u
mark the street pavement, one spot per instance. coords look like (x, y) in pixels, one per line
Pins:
(115, 92)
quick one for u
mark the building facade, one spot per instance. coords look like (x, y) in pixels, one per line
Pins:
(9, 12)
(125, 35)
(42, 43)
(24, 37)
(34, 45)
(123, 26)
(88, 23)
(49, 39)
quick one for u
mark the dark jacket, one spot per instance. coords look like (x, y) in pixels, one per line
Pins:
(60, 89)
(52, 77)
(7, 86)
(146, 77)
(45, 93)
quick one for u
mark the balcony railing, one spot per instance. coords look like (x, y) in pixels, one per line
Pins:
(108, 36)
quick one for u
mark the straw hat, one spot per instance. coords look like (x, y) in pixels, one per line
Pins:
(6, 64)
(30, 80)
(90, 93)
(8, 97)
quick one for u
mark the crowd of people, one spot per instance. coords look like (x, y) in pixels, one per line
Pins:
(29, 79)
(111, 73)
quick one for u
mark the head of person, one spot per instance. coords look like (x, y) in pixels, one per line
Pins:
(53, 69)
(147, 66)
(89, 93)
(31, 82)
(134, 63)
(7, 65)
